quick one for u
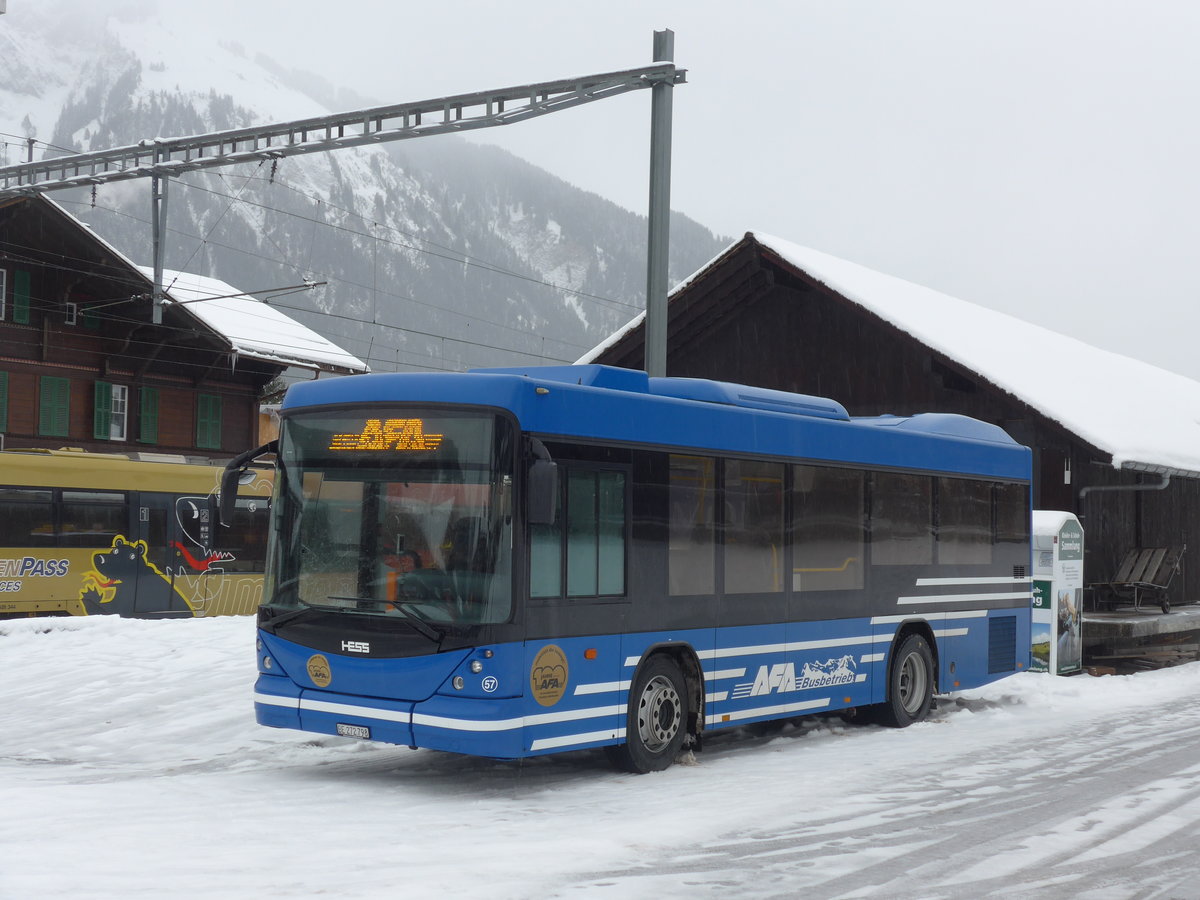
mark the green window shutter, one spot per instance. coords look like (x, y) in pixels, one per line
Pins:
(21, 297)
(148, 418)
(208, 421)
(90, 318)
(3, 401)
(102, 418)
(54, 406)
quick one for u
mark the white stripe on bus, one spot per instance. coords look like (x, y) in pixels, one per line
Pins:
(931, 616)
(991, 579)
(605, 687)
(962, 598)
(766, 711)
(566, 740)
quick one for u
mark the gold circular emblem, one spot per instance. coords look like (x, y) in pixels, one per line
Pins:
(318, 670)
(548, 675)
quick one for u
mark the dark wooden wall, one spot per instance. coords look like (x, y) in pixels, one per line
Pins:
(755, 320)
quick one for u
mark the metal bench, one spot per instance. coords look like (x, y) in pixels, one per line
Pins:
(1144, 572)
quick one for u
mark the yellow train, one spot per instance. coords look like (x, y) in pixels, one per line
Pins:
(105, 534)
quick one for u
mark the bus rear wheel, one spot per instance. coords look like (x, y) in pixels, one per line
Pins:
(655, 725)
(910, 684)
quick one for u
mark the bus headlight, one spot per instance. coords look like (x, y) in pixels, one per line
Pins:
(268, 662)
(459, 683)
(476, 666)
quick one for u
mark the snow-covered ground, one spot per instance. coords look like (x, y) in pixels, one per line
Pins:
(131, 766)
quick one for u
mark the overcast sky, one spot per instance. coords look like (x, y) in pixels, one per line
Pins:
(1036, 157)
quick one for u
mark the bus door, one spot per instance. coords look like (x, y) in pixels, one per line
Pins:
(155, 570)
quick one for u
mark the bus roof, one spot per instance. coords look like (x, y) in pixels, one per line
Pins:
(593, 402)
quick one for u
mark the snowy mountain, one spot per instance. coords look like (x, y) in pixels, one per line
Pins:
(429, 254)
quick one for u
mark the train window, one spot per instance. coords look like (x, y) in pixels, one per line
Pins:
(964, 522)
(28, 519)
(92, 518)
(829, 534)
(246, 537)
(901, 519)
(753, 527)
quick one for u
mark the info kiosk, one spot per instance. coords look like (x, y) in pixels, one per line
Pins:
(1057, 593)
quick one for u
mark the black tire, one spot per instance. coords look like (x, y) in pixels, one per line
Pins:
(910, 684)
(656, 724)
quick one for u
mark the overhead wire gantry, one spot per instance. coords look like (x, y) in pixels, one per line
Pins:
(163, 158)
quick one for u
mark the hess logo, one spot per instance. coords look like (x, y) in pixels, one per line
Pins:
(356, 647)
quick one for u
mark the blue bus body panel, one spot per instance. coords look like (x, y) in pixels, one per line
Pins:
(749, 675)
(549, 695)
(635, 414)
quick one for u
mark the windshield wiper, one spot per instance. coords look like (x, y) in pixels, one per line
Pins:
(417, 621)
(414, 618)
(281, 618)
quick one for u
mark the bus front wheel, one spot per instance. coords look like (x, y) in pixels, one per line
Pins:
(910, 684)
(655, 725)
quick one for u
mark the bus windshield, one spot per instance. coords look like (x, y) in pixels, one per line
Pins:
(395, 513)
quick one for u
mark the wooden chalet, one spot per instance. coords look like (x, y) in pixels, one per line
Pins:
(1114, 440)
(82, 364)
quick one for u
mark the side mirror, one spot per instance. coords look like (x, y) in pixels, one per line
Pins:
(543, 491)
(232, 477)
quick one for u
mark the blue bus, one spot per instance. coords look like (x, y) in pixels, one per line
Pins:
(515, 562)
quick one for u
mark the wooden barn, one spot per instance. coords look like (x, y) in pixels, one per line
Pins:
(1115, 441)
(83, 365)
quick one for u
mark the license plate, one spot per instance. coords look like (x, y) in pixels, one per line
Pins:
(357, 731)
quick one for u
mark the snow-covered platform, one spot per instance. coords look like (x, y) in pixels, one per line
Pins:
(1146, 632)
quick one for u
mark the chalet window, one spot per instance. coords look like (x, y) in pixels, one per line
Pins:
(54, 405)
(208, 421)
(3, 294)
(72, 314)
(3, 402)
(148, 415)
(20, 312)
(111, 411)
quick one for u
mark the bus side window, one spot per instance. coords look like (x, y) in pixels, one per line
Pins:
(753, 527)
(828, 531)
(691, 561)
(964, 521)
(28, 519)
(901, 519)
(595, 532)
(1012, 514)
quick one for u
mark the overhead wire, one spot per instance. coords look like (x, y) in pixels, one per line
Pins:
(345, 281)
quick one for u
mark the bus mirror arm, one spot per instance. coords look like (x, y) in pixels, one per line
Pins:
(231, 478)
(543, 486)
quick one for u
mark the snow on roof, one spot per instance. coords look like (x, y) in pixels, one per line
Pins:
(253, 328)
(1144, 416)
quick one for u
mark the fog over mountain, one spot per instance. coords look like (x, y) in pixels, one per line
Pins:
(431, 254)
